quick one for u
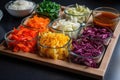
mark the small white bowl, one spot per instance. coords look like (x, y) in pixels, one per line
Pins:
(19, 13)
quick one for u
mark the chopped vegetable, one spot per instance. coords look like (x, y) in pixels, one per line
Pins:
(49, 8)
(96, 33)
(22, 39)
(39, 23)
(78, 10)
(77, 13)
(21, 5)
(86, 51)
(67, 27)
(54, 45)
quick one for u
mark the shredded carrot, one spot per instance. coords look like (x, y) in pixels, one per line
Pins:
(38, 22)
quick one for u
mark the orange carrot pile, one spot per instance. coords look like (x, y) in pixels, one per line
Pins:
(22, 39)
(38, 22)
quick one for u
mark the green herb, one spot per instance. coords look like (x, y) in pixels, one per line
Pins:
(49, 8)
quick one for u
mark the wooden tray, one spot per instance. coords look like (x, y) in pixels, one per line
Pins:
(71, 67)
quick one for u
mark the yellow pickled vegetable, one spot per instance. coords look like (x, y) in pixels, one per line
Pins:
(54, 45)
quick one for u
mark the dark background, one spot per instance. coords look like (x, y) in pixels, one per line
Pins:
(15, 69)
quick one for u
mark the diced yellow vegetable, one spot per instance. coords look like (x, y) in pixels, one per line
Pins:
(54, 45)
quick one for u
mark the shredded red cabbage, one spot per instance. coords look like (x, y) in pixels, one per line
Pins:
(96, 33)
(86, 50)
(89, 47)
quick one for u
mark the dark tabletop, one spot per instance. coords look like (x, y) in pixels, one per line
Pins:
(15, 69)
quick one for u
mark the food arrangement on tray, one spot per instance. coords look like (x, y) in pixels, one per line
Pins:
(85, 47)
(66, 35)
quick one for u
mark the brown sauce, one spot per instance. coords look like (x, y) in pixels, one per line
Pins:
(106, 19)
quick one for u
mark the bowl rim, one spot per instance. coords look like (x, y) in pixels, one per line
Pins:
(6, 36)
(8, 3)
(109, 8)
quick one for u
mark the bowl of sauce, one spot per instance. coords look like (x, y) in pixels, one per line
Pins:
(106, 17)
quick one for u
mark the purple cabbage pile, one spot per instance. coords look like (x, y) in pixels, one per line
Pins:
(101, 34)
(88, 48)
(86, 51)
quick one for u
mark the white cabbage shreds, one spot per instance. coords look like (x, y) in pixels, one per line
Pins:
(68, 27)
(21, 5)
(78, 13)
(65, 25)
